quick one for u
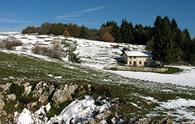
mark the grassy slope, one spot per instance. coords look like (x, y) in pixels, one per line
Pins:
(127, 90)
(32, 68)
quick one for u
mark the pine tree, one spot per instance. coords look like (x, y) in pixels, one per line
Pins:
(142, 34)
(83, 33)
(127, 31)
(192, 56)
(185, 45)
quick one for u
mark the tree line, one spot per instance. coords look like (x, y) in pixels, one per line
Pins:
(170, 44)
(165, 39)
(109, 32)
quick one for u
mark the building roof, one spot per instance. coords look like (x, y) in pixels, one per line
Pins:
(138, 53)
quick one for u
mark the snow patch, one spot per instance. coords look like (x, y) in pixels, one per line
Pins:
(179, 108)
(148, 98)
(77, 111)
(172, 104)
(184, 78)
(26, 117)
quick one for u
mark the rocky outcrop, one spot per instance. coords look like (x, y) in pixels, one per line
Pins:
(92, 110)
(41, 91)
(79, 111)
(64, 94)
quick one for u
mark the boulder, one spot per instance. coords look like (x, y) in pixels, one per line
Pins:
(60, 96)
(5, 87)
(34, 104)
(70, 89)
(40, 88)
(11, 77)
(11, 97)
(64, 94)
(51, 88)
(43, 98)
(42, 91)
(144, 121)
(27, 88)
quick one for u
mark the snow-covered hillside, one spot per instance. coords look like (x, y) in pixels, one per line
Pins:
(93, 53)
(98, 54)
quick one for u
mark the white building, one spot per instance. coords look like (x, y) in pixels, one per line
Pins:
(137, 58)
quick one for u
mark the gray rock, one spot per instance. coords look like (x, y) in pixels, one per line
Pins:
(43, 98)
(11, 77)
(40, 88)
(34, 104)
(11, 97)
(60, 96)
(104, 115)
(70, 89)
(5, 79)
(144, 121)
(2, 103)
(42, 91)
(27, 88)
(5, 87)
(51, 89)
(64, 94)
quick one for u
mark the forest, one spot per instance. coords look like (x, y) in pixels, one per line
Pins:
(169, 43)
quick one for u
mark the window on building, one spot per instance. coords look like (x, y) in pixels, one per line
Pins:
(134, 57)
(130, 62)
(140, 62)
(134, 63)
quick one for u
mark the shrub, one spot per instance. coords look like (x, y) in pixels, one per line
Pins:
(56, 109)
(73, 57)
(10, 43)
(46, 52)
(27, 99)
(66, 43)
(16, 89)
(107, 37)
(66, 33)
(30, 30)
(55, 52)
(10, 107)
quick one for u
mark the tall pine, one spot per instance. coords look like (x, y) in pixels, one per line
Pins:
(127, 31)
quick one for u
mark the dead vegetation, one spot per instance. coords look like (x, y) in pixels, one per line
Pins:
(53, 52)
(10, 43)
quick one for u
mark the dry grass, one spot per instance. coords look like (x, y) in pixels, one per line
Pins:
(54, 52)
(10, 43)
